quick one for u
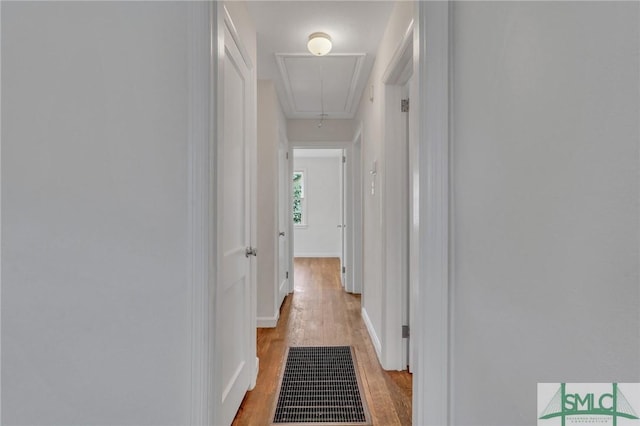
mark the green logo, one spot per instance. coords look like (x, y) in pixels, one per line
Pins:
(566, 404)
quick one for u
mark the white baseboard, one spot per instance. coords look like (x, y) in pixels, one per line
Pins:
(282, 292)
(317, 255)
(254, 379)
(372, 333)
(268, 322)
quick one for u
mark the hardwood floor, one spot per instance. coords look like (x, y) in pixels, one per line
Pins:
(320, 312)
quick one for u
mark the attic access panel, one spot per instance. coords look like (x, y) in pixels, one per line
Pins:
(305, 77)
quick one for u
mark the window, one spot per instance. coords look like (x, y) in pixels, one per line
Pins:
(299, 218)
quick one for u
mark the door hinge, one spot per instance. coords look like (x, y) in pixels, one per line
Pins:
(344, 269)
(287, 274)
(250, 251)
(405, 331)
(404, 105)
(344, 159)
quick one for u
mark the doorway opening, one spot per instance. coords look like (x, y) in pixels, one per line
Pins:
(432, 235)
(318, 202)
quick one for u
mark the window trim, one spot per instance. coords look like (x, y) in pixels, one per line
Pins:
(303, 203)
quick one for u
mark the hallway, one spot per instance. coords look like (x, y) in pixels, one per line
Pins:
(321, 313)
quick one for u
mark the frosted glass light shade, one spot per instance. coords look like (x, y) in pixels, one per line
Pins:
(319, 44)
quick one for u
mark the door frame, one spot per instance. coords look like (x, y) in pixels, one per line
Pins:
(354, 237)
(432, 390)
(395, 202)
(428, 38)
(202, 196)
(206, 25)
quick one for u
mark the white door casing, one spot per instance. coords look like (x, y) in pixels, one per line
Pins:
(202, 207)
(395, 196)
(353, 194)
(432, 402)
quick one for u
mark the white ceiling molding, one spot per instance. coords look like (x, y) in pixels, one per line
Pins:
(284, 26)
(301, 76)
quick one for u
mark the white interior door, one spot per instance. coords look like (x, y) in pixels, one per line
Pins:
(343, 220)
(348, 232)
(413, 259)
(354, 163)
(284, 217)
(234, 286)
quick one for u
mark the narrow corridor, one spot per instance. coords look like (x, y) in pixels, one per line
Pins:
(321, 313)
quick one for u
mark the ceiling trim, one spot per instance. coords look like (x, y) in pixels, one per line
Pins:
(351, 104)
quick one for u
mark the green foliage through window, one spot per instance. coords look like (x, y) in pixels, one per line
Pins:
(298, 195)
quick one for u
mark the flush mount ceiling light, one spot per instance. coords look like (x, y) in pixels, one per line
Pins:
(319, 44)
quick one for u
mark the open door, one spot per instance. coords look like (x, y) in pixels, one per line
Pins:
(344, 257)
(354, 208)
(284, 217)
(235, 284)
(406, 285)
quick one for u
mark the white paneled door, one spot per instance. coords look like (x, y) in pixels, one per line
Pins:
(237, 257)
(284, 217)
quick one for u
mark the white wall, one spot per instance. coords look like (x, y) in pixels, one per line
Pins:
(545, 202)
(320, 236)
(303, 131)
(271, 121)
(94, 196)
(370, 113)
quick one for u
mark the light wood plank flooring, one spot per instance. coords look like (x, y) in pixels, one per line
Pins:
(320, 312)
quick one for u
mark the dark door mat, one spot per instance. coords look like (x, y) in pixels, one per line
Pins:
(320, 385)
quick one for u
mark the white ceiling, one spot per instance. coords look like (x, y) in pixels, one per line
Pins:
(356, 28)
